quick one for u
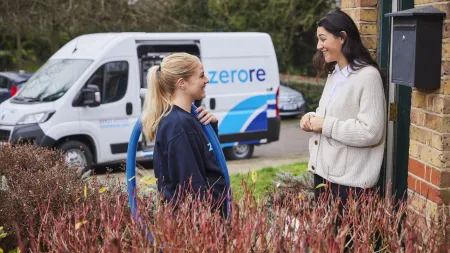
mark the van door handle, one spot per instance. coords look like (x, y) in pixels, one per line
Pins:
(212, 103)
(269, 89)
(129, 108)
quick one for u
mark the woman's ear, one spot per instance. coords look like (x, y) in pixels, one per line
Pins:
(181, 84)
(343, 37)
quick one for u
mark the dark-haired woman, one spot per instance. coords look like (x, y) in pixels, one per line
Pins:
(346, 150)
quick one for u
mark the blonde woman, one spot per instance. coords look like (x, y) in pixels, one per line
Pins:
(183, 158)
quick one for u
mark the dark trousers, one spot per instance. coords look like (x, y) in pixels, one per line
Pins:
(337, 190)
(342, 192)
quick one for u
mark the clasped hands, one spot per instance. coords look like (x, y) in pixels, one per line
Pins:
(310, 123)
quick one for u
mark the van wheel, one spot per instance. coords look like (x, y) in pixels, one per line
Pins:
(238, 152)
(77, 155)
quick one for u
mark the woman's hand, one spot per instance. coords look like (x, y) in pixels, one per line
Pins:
(316, 124)
(204, 116)
(305, 123)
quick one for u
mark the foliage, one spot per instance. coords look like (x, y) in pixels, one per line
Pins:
(291, 23)
(51, 210)
(292, 183)
(29, 176)
(311, 93)
(295, 223)
(264, 180)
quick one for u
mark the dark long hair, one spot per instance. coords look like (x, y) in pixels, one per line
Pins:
(336, 22)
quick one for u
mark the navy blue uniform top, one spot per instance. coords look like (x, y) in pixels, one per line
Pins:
(183, 156)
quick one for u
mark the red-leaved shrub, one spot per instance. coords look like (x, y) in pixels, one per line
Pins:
(31, 177)
(45, 207)
(295, 223)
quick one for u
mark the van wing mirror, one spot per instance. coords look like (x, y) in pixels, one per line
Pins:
(88, 96)
(91, 95)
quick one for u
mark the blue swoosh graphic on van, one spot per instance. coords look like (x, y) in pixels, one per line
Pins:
(237, 116)
(258, 123)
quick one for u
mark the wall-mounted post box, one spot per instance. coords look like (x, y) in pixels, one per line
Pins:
(417, 47)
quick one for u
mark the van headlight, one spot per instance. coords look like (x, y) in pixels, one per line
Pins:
(40, 117)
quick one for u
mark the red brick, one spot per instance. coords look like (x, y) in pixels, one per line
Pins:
(428, 173)
(435, 176)
(415, 167)
(427, 190)
(430, 192)
(413, 184)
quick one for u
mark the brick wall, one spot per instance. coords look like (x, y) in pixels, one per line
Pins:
(429, 153)
(365, 14)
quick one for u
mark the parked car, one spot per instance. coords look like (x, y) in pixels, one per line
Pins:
(290, 102)
(11, 82)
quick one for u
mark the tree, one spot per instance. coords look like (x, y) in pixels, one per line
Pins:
(291, 23)
(14, 23)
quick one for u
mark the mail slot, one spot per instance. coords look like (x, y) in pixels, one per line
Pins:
(417, 47)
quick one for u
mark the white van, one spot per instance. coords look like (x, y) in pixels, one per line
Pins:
(85, 98)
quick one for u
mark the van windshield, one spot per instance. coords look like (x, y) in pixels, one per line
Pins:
(52, 80)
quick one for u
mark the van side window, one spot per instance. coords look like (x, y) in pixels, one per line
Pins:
(112, 81)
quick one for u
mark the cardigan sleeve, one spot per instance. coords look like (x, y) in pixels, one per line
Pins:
(367, 128)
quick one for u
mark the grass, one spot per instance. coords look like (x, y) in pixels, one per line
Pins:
(264, 179)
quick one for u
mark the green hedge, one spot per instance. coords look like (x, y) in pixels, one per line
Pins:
(311, 93)
(6, 60)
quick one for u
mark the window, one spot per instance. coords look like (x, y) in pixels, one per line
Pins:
(4, 83)
(112, 81)
(151, 55)
(52, 80)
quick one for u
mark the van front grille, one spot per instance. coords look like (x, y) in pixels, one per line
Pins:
(4, 135)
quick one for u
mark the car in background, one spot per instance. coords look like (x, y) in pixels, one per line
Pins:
(11, 82)
(290, 102)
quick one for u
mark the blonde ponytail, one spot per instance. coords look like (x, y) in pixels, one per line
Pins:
(161, 83)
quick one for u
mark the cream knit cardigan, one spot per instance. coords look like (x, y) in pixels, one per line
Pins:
(350, 149)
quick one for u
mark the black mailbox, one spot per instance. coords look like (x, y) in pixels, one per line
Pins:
(417, 47)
